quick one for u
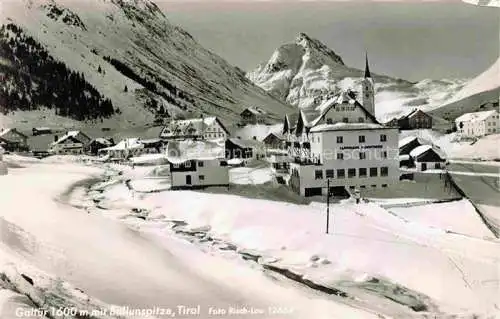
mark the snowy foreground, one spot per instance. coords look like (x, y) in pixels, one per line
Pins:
(63, 246)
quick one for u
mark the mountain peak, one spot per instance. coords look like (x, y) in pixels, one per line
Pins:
(312, 45)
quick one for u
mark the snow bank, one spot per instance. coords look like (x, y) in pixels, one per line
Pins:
(365, 241)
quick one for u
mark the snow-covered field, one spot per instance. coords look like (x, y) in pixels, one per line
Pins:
(438, 259)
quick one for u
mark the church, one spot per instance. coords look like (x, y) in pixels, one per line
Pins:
(342, 142)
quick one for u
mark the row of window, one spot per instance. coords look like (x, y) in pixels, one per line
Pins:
(492, 124)
(362, 155)
(345, 120)
(361, 139)
(213, 135)
(351, 172)
(199, 163)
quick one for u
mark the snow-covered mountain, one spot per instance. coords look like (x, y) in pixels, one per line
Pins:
(478, 94)
(131, 54)
(304, 71)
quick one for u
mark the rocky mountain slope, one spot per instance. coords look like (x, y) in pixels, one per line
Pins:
(304, 71)
(480, 94)
(130, 53)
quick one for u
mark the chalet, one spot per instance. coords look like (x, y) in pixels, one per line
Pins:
(41, 131)
(97, 144)
(125, 149)
(152, 145)
(253, 115)
(204, 128)
(73, 142)
(425, 156)
(244, 149)
(478, 124)
(411, 120)
(342, 142)
(13, 140)
(197, 164)
(274, 140)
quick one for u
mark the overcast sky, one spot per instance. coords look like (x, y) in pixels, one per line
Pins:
(408, 39)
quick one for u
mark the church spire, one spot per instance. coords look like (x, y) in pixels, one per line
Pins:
(367, 68)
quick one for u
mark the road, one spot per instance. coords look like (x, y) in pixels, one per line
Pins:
(117, 265)
(481, 186)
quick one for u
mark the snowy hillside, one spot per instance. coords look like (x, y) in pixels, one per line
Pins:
(484, 89)
(132, 55)
(305, 70)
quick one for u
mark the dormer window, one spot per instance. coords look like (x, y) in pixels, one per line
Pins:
(345, 120)
(361, 120)
(329, 120)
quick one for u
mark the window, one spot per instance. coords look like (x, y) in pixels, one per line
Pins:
(361, 120)
(384, 154)
(201, 164)
(202, 177)
(318, 174)
(384, 171)
(373, 171)
(362, 172)
(362, 155)
(362, 186)
(351, 172)
(345, 120)
(340, 156)
(176, 165)
(384, 185)
(329, 121)
(361, 138)
(341, 173)
(383, 138)
(223, 163)
(329, 173)
(374, 186)
(340, 139)
(187, 164)
(352, 187)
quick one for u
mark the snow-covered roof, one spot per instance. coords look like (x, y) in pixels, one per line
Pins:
(128, 143)
(255, 110)
(406, 140)
(196, 126)
(404, 157)
(7, 130)
(244, 143)
(66, 136)
(235, 161)
(102, 141)
(346, 126)
(181, 151)
(475, 116)
(420, 150)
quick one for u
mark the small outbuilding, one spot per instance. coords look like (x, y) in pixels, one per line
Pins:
(197, 164)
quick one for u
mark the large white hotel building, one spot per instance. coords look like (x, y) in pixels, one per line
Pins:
(341, 141)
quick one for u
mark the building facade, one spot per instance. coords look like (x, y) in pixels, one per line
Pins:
(342, 142)
(415, 119)
(253, 115)
(478, 124)
(13, 140)
(196, 164)
(204, 128)
(73, 142)
(424, 157)
(348, 156)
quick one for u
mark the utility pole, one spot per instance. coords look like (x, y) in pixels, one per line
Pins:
(327, 205)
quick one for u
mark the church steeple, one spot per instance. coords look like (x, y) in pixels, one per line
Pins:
(368, 89)
(367, 68)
